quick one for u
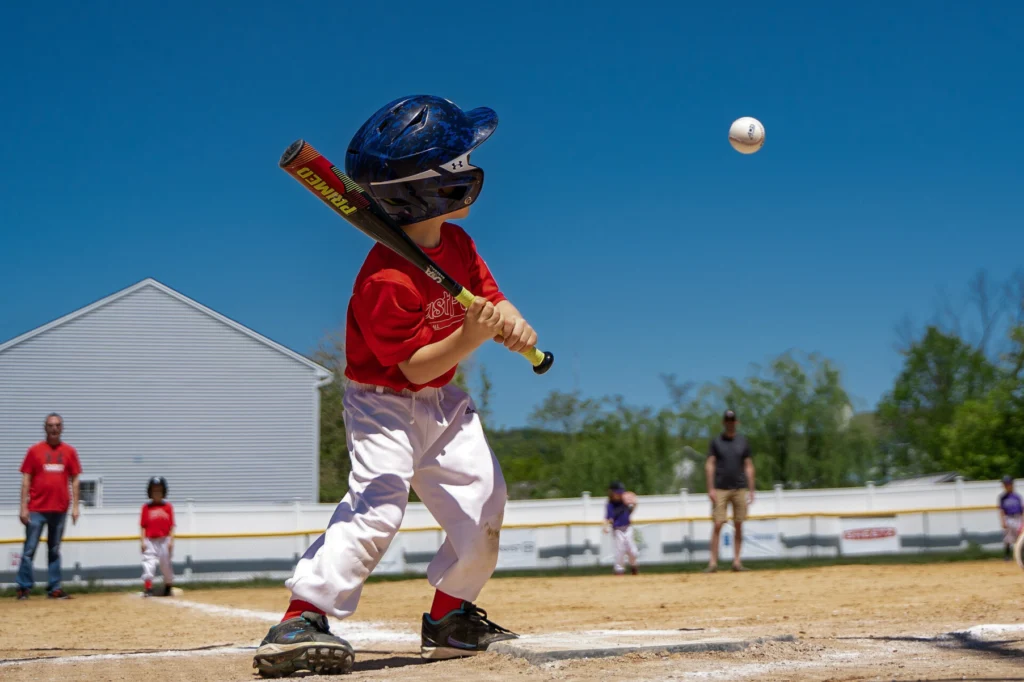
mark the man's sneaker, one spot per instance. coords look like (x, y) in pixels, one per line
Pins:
(303, 643)
(463, 632)
(21, 594)
(58, 594)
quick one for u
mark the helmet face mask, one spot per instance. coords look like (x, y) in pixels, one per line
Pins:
(413, 201)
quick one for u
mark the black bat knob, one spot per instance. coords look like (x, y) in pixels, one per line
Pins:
(544, 366)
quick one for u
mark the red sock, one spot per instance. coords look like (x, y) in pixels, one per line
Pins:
(297, 606)
(443, 605)
(149, 584)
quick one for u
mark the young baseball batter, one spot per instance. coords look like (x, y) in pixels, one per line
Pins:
(407, 425)
(617, 519)
(1011, 515)
(157, 523)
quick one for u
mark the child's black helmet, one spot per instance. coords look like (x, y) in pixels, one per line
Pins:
(156, 480)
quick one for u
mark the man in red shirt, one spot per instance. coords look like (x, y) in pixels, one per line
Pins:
(48, 468)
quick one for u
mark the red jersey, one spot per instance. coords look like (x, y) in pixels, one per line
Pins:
(396, 309)
(157, 519)
(51, 469)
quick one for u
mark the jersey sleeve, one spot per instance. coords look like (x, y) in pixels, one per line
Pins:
(170, 512)
(144, 517)
(30, 465)
(74, 464)
(390, 313)
(746, 449)
(481, 281)
(711, 449)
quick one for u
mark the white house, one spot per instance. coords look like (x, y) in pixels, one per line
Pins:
(151, 383)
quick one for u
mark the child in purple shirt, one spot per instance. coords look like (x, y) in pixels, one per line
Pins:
(618, 511)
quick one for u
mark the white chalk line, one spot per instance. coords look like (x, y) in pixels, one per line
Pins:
(86, 658)
(355, 632)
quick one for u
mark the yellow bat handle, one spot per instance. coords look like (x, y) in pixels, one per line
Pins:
(540, 360)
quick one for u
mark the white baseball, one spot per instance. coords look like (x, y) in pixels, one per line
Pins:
(746, 135)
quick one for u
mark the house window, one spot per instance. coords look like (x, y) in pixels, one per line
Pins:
(91, 491)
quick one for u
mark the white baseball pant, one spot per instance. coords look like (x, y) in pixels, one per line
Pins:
(625, 546)
(1013, 528)
(157, 552)
(432, 441)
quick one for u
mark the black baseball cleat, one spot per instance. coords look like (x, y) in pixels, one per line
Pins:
(303, 643)
(22, 594)
(463, 632)
(168, 590)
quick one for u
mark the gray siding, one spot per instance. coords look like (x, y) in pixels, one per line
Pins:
(150, 385)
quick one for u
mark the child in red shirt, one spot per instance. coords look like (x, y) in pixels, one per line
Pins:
(407, 425)
(157, 523)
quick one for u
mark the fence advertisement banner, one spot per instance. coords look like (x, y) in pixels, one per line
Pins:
(517, 548)
(760, 540)
(870, 535)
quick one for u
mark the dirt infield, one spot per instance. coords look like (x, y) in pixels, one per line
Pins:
(849, 623)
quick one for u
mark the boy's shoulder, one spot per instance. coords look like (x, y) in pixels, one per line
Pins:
(382, 264)
(455, 234)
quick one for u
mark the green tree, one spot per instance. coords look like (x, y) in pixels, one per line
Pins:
(486, 392)
(975, 443)
(985, 439)
(334, 458)
(940, 373)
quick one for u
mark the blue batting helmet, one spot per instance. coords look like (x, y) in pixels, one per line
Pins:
(412, 156)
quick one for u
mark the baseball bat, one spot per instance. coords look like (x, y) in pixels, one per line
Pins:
(346, 198)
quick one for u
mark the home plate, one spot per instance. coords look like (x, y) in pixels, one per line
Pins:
(560, 646)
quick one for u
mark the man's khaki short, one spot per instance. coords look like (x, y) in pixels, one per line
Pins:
(738, 498)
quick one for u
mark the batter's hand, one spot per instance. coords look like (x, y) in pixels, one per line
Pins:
(713, 496)
(516, 334)
(170, 547)
(750, 497)
(483, 321)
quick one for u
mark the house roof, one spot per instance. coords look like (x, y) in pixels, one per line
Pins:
(320, 372)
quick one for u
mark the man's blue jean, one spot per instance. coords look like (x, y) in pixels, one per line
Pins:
(54, 524)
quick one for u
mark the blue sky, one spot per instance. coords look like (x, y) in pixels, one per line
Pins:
(141, 140)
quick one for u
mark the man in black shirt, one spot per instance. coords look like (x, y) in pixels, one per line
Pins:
(730, 478)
